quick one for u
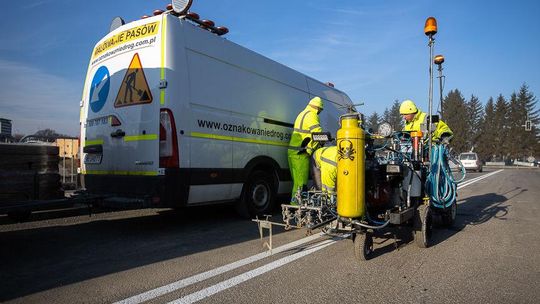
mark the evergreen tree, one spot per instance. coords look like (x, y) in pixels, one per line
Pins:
(474, 117)
(500, 127)
(531, 139)
(517, 114)
(486, 142)
(386, 115)
(496, 132)
(393, 117)
(455, 108)
(372, 122)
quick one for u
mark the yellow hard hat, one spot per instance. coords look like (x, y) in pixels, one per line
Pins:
(316, 102)
(407, 107)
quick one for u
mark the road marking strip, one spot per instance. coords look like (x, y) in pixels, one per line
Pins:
(204, 293)
(209, 291)
(472, 181)
(199, 295)
(157, 292)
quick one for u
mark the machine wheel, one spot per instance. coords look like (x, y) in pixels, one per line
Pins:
(449, 217)
(363, 246)
(258, 195)
(423, 226)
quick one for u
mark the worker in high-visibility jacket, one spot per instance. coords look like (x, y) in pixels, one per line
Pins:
(414, 118)
(324, 169)
(301, 145)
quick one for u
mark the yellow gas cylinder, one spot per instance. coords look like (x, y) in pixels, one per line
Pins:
(350, 167)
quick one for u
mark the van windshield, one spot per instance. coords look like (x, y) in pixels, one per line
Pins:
(467, 156)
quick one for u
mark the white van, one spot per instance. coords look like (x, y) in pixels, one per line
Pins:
(175, 115)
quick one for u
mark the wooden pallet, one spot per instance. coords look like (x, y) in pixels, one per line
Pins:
(29, 172)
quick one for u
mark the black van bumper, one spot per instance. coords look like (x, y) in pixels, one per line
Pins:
(169, 190)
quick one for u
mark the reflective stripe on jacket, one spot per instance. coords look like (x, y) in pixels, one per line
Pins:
(326, 160)
(306, 122)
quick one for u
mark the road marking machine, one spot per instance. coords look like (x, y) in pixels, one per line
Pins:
(385, 179)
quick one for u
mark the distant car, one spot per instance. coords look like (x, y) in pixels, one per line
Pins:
(470, 161)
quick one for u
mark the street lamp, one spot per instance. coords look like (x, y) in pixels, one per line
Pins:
(439, 59)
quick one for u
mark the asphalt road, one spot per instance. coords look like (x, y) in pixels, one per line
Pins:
(491, 255)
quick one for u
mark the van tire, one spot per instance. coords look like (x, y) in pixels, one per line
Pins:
(258, 195)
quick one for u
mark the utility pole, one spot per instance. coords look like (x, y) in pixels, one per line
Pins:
(72, 160)
(430, 29)
(439, 59)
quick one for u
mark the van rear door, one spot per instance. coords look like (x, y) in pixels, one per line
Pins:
(122, 102)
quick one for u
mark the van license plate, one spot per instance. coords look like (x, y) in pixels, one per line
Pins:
(92, 158)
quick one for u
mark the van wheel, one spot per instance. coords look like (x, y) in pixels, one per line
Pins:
(258, 195)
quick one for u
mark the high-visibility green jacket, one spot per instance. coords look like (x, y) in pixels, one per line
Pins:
(306, 123)
(326, 160)
(420, 118)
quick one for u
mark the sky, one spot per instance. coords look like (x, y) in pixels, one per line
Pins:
(373, 50)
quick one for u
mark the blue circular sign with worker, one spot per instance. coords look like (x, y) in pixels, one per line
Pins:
(99, 89)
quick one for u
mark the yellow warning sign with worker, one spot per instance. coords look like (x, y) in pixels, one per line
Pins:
(134, 88)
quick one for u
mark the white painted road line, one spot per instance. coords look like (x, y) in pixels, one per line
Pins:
(204, 293)
(157, 292)
(474, 180)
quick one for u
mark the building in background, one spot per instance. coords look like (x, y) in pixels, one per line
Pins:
(69, 160)
(5, 130)
(69, 147)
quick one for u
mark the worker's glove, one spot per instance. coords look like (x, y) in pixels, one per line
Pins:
(445, 139)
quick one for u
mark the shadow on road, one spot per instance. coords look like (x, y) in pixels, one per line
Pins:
(474, 210)
(477, 210)
(42, 258)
